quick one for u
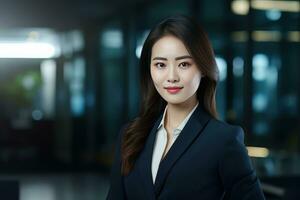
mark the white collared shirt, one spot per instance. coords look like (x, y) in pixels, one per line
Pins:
(161, 141)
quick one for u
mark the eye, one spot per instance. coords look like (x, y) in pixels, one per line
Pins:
(159, 65)
(184, 64)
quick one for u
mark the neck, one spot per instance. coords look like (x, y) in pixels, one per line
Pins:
(176, 113)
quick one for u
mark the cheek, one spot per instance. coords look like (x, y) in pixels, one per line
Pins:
(156, 77)
(153, 76)
(193, 80)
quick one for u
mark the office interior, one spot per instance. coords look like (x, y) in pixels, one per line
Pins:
(69, 79)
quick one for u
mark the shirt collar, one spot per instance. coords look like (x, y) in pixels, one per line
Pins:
(181, 125)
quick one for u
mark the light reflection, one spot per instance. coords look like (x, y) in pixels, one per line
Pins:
(38, 191)
(273, 15)
(140, 43)
(112, 39)
(285, 6)
(266, 36)
(37, 115)
(77, 86)
(222, 66)
(28, 82)
(259, 102)
(27, 50)
(259, 152)
(241, 7)
(48, 73)
(238, 66)
(260, 64)
(293, 36)
(138, 51)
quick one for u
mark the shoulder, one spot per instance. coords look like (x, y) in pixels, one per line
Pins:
(227, 132)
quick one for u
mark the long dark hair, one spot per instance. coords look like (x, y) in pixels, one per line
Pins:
(197, 43)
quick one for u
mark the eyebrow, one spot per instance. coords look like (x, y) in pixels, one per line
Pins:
(177, 58)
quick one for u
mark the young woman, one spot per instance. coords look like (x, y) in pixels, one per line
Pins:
(176, 148)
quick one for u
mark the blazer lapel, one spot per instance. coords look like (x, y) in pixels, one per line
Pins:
(146, 159)
(191, 130)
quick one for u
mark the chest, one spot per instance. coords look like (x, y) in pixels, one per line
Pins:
(195, 169)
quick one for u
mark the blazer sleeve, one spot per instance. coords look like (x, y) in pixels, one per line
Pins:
(236, 171)
(116, 190)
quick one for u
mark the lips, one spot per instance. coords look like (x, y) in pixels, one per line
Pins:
(173, 90)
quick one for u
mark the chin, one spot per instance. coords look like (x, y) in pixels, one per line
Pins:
(174, 101)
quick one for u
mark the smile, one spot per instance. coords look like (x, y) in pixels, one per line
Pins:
(173, 90)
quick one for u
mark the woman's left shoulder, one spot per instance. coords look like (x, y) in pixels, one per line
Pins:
(225, 130)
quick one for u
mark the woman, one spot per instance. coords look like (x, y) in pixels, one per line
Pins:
(176, 148)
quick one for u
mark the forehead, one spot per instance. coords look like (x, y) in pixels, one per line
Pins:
(169, 46)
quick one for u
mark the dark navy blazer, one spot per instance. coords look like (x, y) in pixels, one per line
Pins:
(207, 161)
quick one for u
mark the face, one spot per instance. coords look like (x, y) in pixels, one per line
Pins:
(174, 73)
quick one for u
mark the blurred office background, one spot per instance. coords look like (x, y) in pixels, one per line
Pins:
(69, 80)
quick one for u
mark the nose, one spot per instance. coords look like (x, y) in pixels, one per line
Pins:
(173, 75)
